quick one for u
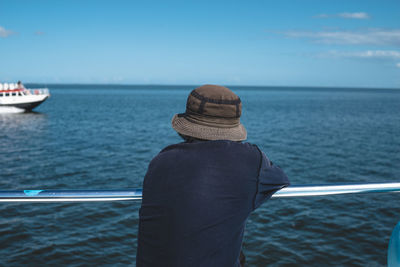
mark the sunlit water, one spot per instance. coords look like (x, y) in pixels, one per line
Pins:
(91, 137)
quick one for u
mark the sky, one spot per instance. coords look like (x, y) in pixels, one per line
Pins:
(329, 43)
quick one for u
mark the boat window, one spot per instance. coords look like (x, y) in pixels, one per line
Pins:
(19, 93)
(14, 94)
(7, 94)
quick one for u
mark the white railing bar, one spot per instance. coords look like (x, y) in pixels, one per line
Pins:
(136, 194)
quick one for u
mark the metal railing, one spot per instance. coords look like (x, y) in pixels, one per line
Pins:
(37, 91)
(136, 194)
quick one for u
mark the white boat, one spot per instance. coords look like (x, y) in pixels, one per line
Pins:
(17, 96)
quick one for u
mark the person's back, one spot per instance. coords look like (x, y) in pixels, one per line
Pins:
(197, 196)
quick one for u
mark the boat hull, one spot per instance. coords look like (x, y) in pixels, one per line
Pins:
(27, 106)
(25, 99)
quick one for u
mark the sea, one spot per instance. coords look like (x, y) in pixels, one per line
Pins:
(104, 136)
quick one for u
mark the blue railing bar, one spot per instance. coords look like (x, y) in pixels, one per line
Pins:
(136, 194)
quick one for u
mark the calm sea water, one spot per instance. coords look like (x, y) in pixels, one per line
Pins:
(92, 137)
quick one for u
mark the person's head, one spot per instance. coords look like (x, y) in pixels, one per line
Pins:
(212, 113)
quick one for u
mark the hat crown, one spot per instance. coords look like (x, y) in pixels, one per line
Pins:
(215, 101)
(216, 92)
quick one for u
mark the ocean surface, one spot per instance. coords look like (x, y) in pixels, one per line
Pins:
(104, 136)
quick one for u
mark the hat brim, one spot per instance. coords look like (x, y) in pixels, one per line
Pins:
(186, 127)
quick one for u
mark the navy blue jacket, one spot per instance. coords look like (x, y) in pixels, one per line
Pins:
(197, 197)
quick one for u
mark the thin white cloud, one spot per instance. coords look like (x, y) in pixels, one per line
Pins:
(5, 33)
(356, 15)
(361, 37)
(385, 55)
(323, 16)
(379, 54)
(345, 15)
(39, 33)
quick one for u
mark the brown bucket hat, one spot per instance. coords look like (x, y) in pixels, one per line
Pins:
(212, 113)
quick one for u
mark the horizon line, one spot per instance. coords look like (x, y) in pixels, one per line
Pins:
(226, 85)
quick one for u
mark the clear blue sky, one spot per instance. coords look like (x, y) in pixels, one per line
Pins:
(286, 43)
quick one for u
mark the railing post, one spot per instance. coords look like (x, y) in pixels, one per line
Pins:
(393, 258)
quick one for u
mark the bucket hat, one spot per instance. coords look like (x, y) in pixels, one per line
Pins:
(212, 113)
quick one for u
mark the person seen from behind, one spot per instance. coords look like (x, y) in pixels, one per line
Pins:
(20, 85)
(198, 194)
